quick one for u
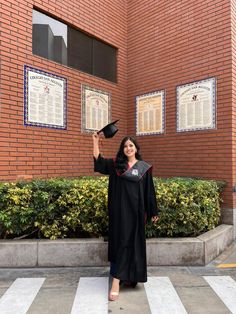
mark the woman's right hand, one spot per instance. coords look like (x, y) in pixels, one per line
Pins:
(95, 137)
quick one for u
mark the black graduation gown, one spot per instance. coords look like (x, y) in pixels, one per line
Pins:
(128, 204)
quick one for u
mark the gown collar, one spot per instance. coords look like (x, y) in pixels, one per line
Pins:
(137, 171)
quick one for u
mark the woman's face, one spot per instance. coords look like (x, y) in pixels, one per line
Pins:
(129, 149)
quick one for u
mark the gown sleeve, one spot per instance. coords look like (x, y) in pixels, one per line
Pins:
(150, 197)
(103, 165)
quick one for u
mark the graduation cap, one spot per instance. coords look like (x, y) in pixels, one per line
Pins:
(109, 130)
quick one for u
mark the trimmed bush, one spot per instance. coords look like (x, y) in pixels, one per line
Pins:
(60, 208)
(188, 207)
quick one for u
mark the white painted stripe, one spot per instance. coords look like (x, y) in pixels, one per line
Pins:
(91, 296)
(20, 295)
(162, 297)
(225, 288)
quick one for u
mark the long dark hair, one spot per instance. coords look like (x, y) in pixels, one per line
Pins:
(121, 163)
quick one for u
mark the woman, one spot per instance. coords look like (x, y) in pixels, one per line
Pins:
(131, 201)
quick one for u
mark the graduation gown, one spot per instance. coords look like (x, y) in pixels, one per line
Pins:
(130, 202)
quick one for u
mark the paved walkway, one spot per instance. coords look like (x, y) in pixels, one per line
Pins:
(227, 258)
(169, 290)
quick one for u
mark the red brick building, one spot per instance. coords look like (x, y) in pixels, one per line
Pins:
(160, 45)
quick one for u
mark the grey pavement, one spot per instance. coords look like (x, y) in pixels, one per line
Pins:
(57, 293)
(228, 257)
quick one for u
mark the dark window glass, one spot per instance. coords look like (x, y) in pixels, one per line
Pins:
(49, 38)
(80, 48)
(104, 61)
(58, 42)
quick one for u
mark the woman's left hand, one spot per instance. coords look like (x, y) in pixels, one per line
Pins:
(155, 219)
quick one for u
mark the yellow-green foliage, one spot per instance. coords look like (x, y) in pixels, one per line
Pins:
(188, 207)
(59, 207)
(16, 213)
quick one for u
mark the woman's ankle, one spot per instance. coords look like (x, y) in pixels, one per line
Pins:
(115, 281)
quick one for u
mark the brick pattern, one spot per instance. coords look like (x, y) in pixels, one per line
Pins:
(27, 151)
(233, 37)
(171, 43)
(161, 45)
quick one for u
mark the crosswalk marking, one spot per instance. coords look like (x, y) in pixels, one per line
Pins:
(225, 288)
(18, 298)
(91, 296)
(162, 296)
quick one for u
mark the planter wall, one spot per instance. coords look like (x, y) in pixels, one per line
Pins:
(93, 252)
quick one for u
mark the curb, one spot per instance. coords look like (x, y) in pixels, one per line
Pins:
(197, 251)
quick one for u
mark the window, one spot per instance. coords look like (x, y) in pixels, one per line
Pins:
(80, 51)
(104, 60)
(56, 41)
(49, 38)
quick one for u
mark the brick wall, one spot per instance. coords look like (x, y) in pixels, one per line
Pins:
(233, 36)
(177, 42)
(27, 151)
(162, 44)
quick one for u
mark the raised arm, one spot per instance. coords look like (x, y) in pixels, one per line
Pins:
(96, 150)
(102, 165)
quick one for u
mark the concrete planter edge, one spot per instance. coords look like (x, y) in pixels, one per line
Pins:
(196, 251)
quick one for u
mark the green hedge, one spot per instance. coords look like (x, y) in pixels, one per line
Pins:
(60, 208)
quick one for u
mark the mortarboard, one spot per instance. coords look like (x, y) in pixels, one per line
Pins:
(109, 130)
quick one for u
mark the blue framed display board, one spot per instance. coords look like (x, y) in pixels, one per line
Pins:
(150, 113)
(196, 105)
(45, 98)
(96, 108)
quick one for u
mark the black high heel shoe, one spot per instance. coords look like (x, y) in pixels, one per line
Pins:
(133, 284)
